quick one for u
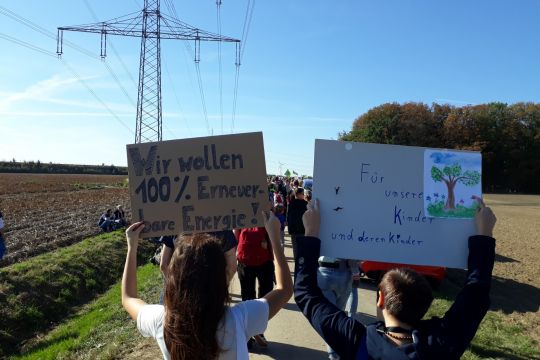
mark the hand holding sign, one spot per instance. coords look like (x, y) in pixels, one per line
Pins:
(312, 219)
(485, 218)
(272, 226)
(133, 234)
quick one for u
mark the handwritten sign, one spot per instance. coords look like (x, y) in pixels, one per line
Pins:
(372, 207)
(198, 185)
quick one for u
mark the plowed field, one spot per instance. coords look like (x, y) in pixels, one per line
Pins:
(46, 211)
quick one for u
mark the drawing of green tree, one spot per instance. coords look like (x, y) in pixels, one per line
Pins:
(452, 175)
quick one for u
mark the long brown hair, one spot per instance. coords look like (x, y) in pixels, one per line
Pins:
(196, 297)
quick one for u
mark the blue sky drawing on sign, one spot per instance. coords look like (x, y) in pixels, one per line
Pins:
(451, 179)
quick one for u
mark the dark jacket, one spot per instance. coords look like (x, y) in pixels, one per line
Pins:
(436, 338)
(295, 210)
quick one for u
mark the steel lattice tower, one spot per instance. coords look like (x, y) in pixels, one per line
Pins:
(149, 121)
(147, 25)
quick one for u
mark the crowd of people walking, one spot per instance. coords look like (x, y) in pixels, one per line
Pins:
(196, 320)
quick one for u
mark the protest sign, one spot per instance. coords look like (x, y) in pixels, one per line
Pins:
(198, 185)
(372, 205)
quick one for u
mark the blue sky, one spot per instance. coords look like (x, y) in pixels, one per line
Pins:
(309, 69)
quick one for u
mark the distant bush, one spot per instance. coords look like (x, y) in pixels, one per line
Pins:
(40, 168)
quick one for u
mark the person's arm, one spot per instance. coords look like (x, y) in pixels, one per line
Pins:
(284, 288)
(130, 302)
(472, 303)
(166, 254)
(354, 266)
(338, 330)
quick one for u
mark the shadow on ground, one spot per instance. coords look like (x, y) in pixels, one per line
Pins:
(276, 350)
(507, 295)
(497, 354)
(504, 259)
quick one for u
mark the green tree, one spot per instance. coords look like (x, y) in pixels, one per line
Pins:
(452, 175)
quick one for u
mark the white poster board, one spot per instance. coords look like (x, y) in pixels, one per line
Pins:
(372, 207)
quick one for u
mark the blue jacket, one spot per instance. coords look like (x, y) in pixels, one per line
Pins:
(437, 338)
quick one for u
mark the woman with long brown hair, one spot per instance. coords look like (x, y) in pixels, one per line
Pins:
(196, 320)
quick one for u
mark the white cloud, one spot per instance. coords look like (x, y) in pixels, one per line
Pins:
(39, 91)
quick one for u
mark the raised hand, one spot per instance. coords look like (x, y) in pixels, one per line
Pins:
(133, 233)
(272, 226)
(312, 219)
(485, 218)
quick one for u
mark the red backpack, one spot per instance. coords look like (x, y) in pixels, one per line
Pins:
(254, 247)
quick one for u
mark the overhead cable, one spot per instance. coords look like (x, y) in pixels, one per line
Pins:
(220, 76)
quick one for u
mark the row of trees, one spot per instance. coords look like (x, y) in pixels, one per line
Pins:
(50, 168)
(507, 135)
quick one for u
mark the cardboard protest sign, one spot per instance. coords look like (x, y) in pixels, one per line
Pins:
(198, 185)
(372, 207)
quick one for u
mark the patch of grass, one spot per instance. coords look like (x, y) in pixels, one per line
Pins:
(101, 329)
(495, 338)
(437, 209)
(97, 186)
(43, 290)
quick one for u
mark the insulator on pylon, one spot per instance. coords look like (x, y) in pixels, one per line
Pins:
(59, 42)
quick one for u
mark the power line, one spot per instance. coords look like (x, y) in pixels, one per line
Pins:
(172, 10)
(113, 74)
(47, 33)
(177, 100)
(22, 20)
(81, 80)
(220, 80)
(112, 46)
(27, 45)
(247, 23)
(201, 91)
(240, 54)
(77, 76)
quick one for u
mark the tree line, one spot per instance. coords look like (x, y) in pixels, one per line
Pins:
(50, 168)
(507, 135)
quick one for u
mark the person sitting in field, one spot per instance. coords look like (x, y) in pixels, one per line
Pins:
(2, 239)
(119, 216)
(403, 298)
(197, 322)
(105, 221)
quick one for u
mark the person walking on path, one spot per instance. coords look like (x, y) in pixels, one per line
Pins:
(255, 264)
(295, 210)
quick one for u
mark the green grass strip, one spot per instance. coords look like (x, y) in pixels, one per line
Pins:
(101, 330)
(44, 290)
(495, 338)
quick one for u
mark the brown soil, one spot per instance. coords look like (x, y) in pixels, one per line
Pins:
(516, 282)
(46, 211)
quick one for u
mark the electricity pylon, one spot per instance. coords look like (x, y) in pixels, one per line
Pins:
(147, 24)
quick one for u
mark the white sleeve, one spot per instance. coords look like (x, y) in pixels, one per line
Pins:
(150, 320)
(256, 316)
